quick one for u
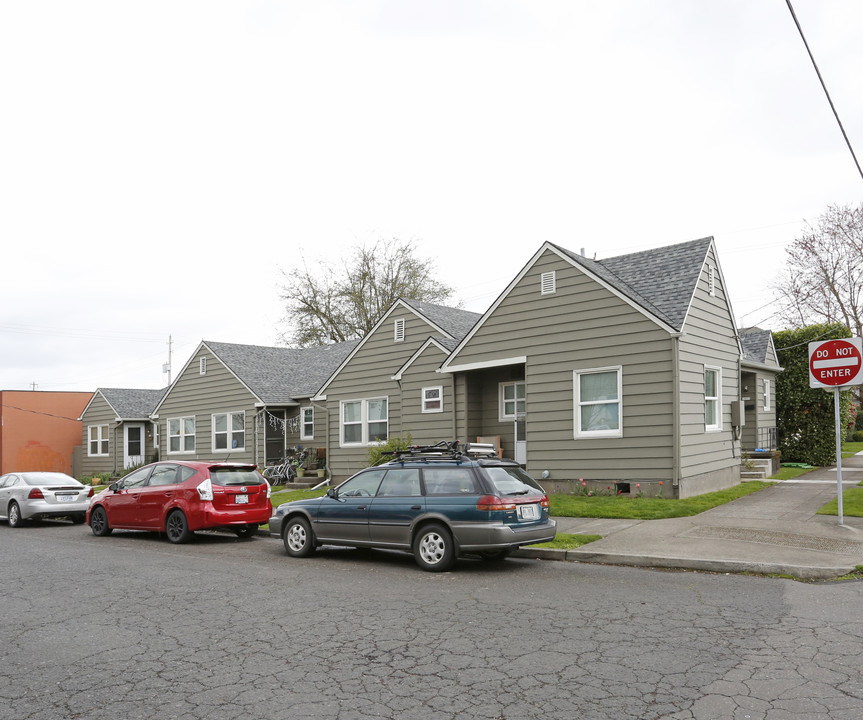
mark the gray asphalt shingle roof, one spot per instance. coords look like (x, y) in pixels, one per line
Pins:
(132, 403)
(280, 375)
(455, 321)
(755, 343)
(662, 280)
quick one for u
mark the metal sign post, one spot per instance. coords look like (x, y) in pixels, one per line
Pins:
(837, 364)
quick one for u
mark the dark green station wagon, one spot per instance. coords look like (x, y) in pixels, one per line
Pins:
(437, 502)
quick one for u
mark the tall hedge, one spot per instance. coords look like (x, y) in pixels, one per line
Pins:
(804, 415)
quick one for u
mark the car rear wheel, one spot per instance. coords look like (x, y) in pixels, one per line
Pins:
(434, 549)
(177, 528)
(99, 522)
(77, 519)
(246, 531)
(298, 538)
(14, 515)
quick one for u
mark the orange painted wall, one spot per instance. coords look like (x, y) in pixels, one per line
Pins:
(38, 430)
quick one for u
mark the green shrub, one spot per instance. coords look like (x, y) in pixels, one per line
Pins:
(382, 453)
(857, 436)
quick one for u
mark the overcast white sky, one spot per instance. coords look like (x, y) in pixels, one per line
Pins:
(163, 162)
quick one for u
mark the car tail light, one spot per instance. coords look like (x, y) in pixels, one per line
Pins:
(91, 493)
(544, 501)
(35, 494)
(492, 502)
(205, 490)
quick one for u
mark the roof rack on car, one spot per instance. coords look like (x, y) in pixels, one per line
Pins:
(444, 450)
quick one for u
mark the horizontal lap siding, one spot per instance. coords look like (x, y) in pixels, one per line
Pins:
(217, 391)
(99, 412)
(368, 374)
(582, 326)
(426, 428)
(708, 339)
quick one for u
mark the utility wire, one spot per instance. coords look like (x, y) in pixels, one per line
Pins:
(818, 72)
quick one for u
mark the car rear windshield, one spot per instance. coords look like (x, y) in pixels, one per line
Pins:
(49, 480)
(236, 476)
(513, 481)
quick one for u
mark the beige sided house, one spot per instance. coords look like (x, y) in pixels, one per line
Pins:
(245, 403)
(619, 371)
(117, 432)
(390, 384)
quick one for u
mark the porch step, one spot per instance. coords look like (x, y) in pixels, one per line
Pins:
(753, 475)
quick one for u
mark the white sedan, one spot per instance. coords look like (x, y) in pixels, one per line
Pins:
(37, 495)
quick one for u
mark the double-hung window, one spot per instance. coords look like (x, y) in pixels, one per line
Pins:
(181, 435)
(766, 392)
(712, 398)
(307, 423)
(598, 403)
(364, 422)
(433, 399)
(511, 400)
(229, 431)
(97, 440)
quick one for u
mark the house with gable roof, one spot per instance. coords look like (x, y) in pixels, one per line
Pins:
(116, 430)
(245, 403)
(759, 366)
(390, 385)
(620, 371)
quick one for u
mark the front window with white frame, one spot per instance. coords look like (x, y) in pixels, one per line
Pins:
(511, 400)
(712, 398)
(432, 399)
(181, 435)
(364, 422)
(598, 403)
(307, 423)
(765, 389)
(229, 431)
(97, 440)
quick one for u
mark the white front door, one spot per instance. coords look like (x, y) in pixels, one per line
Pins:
(133, 445)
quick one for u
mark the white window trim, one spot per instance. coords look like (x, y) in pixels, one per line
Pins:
(229, 431)
(363, 422)
(438, 399)
(202, 366)
(181, 435)
(399, 330)
(718, 399)
(548, 283)
(100, 438)
(303, 434)
(580, 434)
(503, 416)
(765, 388)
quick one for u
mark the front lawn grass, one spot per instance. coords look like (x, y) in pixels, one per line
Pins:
(852, 503)
(644, 508)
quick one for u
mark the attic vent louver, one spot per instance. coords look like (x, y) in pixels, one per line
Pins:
(548, 283)
(399, 331)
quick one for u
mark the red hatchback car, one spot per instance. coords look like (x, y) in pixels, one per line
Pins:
(178, 498)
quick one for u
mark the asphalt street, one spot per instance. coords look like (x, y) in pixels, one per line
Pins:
(131, 627)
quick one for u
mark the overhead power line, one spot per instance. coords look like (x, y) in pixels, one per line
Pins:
(818, 72)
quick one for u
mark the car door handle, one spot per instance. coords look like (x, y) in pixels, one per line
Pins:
(362, 507)
(416, 507)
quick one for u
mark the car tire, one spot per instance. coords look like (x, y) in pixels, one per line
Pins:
(14, 515)
(495, 555)
(77, 519)
(177, 528)
(434, 549)
(246, 531)
(298, 538)
(99, 522)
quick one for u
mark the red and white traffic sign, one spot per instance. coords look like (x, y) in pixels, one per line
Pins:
(836, 362)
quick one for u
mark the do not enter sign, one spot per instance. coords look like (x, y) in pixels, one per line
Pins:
(835, 362)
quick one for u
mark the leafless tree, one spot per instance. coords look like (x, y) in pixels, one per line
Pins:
(823, 277)
(341, 303)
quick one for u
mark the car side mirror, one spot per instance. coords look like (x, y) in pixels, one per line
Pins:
(117, 486)
(331, 493)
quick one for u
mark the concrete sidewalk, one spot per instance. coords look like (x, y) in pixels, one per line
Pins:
(775, 530)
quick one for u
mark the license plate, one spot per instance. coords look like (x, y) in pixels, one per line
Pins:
(528, 512)
(241, 499)
(66, 498)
